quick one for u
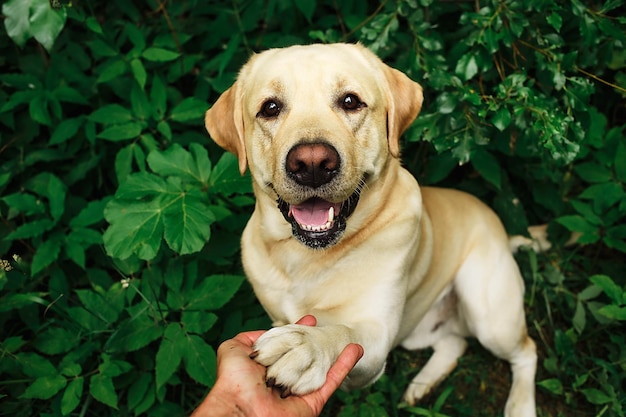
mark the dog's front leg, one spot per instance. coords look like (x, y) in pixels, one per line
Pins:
(298, 357)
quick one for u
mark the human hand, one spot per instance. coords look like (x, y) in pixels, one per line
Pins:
(240, 388)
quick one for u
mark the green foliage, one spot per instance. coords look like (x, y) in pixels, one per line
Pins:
(120, 219)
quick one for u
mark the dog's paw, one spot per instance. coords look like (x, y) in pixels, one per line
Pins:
(297, 358)
(415, 392)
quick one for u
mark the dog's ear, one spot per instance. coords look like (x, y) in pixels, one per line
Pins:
(404, 101)
(224, 121)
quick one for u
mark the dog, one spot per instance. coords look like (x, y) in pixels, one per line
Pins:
(342, 231)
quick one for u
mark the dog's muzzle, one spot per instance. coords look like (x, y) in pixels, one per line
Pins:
(316, 222)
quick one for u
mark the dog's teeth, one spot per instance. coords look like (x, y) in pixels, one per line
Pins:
(331, 214)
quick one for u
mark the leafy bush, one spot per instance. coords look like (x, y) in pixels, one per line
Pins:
(121, 219)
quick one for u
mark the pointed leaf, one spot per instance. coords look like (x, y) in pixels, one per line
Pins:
(46, 22)
(45, 387)
(190, 109)
(134, 334)
(226, 178)
(214, 291)
(176, 161)
(47, 253)
(122, 132)
(159, 54)
(200, 360)
(67, 129)
(16, 20)
(72, 396)
(187, 222)
(170, 353)
(135, 229)
(102, 389)
(487, 165)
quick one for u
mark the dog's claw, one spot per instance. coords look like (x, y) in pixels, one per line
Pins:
(254, 354)
(285, 392)
(270, 382)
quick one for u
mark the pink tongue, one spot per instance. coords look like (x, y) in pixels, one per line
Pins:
(313, 212)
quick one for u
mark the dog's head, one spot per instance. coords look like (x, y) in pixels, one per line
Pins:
(315, 124)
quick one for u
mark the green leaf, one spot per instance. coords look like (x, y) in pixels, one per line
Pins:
(226, 178)
(502, 119)
(24, 203)
(139, 72)
(158, 97)
(553, 385)
(176, 161)
(190, 109)
(467, 67)
(198, 321)
(50, 186)
(91, 214)
(213, 292)
(200, 360)
(93, 25)
(33, 18)
(138, 390)
(39, 111)
(46, 23)
(46, 253)
(487, 165)
(45, 387)
(170, 353)
(111, 114)
(187, 222)
(620, 161)
(614, 312)
(580, 319)
(67, 129)
(139, 103)
(55, 340)
(100, 306)
(31, 229)
(604, 195)
(135, 229)
(446, 103)
(111, 367)
(34, 365)
(142, 186)
(609, 287)
(102, 389)
(16, 20)
(576, 223)
(122, 132)
(72, 396)
(307, 7)
(134, 334)
(555, 20)
(595, 396)
(159, 54)
(593, 172)
(111, 70)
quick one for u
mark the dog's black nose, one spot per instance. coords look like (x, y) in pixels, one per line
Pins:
(312, 164)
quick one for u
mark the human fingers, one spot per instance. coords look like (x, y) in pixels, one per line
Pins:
(335, 376)
(307, 320)
(248, 338)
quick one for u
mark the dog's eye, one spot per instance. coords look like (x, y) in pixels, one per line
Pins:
(351, 102)
(270, 109)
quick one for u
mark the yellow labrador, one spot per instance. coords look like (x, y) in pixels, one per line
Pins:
(342, 231)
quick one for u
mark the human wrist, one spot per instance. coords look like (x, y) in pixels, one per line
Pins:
(224, 403)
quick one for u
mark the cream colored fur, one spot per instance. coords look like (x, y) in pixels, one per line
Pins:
(415, 267)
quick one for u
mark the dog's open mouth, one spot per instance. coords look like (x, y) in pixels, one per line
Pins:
(316, 222)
